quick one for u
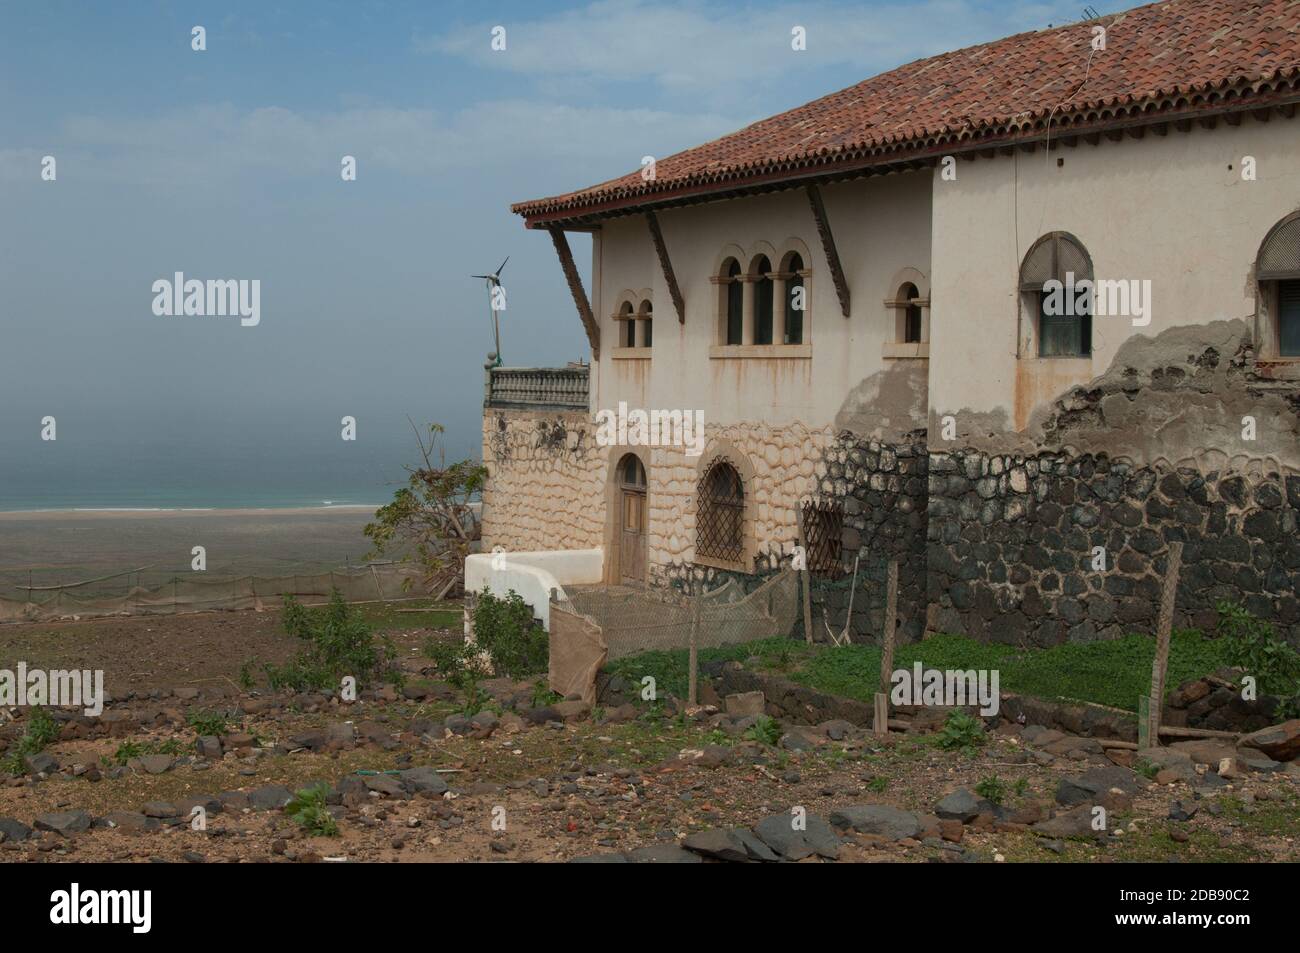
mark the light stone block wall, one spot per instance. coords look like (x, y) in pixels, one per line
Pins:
(548, 490)
(544, 490)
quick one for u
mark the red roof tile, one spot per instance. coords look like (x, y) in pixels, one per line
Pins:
(1167, 58)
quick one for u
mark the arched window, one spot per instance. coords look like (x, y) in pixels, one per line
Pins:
(647, 324)
(911, 299)
(761, 270)
(720, 515)
(627, 329)
(795, 302)
(1062, 312)
(1277, 269)
(631, 472)
(733, 303)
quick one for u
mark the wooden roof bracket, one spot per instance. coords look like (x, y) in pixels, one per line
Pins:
(828, 246)
(667, 266)
(575, 288)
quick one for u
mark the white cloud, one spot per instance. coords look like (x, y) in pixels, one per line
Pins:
(216, 143)
(687, 46)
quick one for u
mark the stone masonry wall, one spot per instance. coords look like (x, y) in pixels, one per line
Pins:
(881, 487)
(1011, 546)
(546, 478)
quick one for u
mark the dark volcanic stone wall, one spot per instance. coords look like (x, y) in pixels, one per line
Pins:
(1011, 543)
(882, 490)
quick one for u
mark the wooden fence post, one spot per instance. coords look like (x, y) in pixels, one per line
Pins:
(880, 725)
(807, 597)
(1159, 666)
(692, 696)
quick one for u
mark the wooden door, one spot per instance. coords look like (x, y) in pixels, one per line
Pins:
(632, 542)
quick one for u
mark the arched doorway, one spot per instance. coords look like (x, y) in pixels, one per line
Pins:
(632, 544)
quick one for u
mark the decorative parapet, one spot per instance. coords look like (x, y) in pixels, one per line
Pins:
(537, 388)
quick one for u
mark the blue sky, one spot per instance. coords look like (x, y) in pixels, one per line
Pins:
(225, 164)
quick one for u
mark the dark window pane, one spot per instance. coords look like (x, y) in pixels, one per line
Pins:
(1288, 324)
(1063, 335)
(629, 333)
(649, 332)
(735, 314)
(912, 325)
(763, 311)
(793, 316)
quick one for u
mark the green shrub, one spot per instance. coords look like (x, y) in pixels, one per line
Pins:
(339, 643)
(309, 810)
(138, 749)
(765, 730)
(1254, 646)
(206, 722)
(42, 730)
(992, 789)
(961, 732)
(504, 628)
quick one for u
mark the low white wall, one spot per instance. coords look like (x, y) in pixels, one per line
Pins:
(532, 575)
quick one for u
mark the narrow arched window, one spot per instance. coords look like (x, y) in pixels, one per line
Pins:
(1050, 279)
(647, 324)
(720, 514)
(627, 324)
(795, 302)
(762, 273)
(911, 299)
(735, 304)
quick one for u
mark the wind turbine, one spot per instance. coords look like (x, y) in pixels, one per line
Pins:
(493, 282)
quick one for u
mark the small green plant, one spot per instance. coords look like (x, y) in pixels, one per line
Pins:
(246, 678)
(1021, 787)
(339, 643)
(138, 749)
(505, 629)
(42, 730)
(543, 696)
(992, 789)
(1146, 768)
(961, 732)
(765, 730)
(878, 784)
(460, 664)
(309, 810)
(206, 722)
(1254, 646)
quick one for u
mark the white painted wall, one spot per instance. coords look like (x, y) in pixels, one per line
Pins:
(532, 576)
(1167, 209)
(881, 226)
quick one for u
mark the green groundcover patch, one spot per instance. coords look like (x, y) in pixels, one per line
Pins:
(1111, 673)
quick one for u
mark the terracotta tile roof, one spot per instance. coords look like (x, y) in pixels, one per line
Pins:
(1161, 61)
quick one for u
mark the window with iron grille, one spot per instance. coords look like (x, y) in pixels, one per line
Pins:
(720, 515)
(823, 523)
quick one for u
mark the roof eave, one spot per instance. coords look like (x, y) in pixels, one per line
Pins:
(902, 156)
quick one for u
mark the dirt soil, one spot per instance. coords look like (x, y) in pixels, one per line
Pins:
(574, 784)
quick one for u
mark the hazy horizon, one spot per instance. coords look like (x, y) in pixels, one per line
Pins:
(225, 164)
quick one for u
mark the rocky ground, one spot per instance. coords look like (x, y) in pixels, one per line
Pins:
(411, 777)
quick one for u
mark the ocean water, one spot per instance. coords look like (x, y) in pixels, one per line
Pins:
(213, 478)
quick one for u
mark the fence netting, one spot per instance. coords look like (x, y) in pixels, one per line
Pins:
(193, 593)
(592, 626)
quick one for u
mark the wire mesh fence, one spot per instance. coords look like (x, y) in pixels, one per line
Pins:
(141, 592)
(592, 626)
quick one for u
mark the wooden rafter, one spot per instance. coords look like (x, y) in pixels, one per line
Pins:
(828, 246)
(575, 288)
(666, 266)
